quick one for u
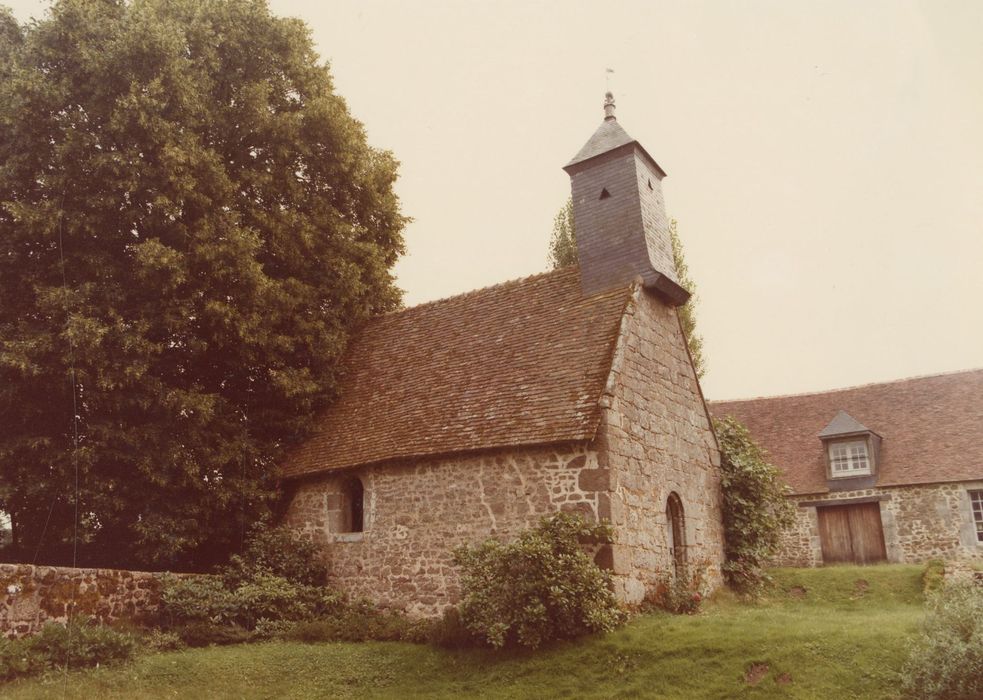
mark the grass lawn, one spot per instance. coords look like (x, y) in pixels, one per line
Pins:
(831, 633)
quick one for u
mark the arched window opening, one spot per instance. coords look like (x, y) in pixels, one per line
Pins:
(353, 505)
(677, 532)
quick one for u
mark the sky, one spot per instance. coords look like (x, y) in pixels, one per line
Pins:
(824, 160)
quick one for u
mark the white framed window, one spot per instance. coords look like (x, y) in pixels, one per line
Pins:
(976, 499)
(849, 458)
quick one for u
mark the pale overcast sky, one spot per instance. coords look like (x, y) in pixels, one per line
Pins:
(825, 160)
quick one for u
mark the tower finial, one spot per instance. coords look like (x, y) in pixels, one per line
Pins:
(608, 106)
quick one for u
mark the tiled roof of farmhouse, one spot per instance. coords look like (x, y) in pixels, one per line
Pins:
(931, 427)
(520, 363)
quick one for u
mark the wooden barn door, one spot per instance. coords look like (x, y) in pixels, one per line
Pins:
(852, 533)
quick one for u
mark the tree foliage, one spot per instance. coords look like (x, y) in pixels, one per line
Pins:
(687, 312)
(191, 222)
(755, 507)
(543, 586)
(563, 244)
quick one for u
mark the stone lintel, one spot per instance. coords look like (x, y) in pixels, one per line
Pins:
(846, 501)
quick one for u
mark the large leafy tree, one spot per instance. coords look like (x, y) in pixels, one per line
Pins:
(191, 222)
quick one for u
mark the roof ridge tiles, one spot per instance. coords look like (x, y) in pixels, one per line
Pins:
(853, 387)
(558, 272)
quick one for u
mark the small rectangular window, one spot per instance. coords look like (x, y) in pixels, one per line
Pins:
(849, 458)
(976, 498)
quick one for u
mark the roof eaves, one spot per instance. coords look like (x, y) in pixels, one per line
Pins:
(578, 162)
(586, 438)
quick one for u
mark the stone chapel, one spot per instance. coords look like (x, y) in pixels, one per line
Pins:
(471, 417)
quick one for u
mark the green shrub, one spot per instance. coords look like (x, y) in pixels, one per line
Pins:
(272, 629)
(360, 623)
(933, 576)
(274, 598)
(541, 587)
(276, 551)
(276, 579)
(191, 599)
(450, 632)
(264, 594)
(269, 597)
(19, 659)
(82, 644)
(77, 645)
(946, 662)
(203, 634)
(159, 640)
(755, 506)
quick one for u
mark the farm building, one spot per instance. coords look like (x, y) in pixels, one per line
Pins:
(882, 472)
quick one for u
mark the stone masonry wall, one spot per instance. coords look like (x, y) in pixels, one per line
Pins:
(416, 513)
(31, 596)
(655, 439)
(920, 523)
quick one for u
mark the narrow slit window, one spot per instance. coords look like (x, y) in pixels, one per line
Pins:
(677, 532)
(353, 494)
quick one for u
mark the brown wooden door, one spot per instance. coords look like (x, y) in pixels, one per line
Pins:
(852, 533)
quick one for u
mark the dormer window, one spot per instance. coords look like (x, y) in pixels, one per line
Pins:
(852, 450)
(850, 458)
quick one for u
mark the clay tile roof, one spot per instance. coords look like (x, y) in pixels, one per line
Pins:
(931, 427)
(520, 363)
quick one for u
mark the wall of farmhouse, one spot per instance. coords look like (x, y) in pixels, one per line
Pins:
(919, 522)
(417, 512)
(655, 440)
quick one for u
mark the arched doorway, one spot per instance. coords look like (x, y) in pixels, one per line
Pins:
(676, 522)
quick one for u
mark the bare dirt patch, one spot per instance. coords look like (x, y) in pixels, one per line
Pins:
(784, 679)
(860, 588)
(755, 672)
(797, 592)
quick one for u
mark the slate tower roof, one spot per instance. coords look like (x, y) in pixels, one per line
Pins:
(619, 215)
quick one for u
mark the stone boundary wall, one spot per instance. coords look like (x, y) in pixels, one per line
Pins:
(933, 521)
(31, 596)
